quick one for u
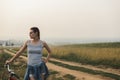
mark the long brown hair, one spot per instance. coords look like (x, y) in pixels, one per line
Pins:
(36, 29)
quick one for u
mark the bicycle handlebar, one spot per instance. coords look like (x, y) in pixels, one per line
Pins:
(8, 68)
(13, 76)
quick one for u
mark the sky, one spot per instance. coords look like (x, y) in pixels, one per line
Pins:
(67, 20)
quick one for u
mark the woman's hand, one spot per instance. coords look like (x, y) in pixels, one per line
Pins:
(8, 61)
(45, 60)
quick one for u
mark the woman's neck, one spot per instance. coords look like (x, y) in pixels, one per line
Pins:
(36, 39)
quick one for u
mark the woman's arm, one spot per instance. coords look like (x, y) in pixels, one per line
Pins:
(48, 50)
(17, 53)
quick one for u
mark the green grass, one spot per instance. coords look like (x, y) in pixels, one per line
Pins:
(69, 77)
(53, 72)
(3, 58)
(57, 76)
(18, 69)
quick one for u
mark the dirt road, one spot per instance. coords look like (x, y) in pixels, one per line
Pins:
(108, 70)
(79, 75)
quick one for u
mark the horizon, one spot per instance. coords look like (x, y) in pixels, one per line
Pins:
(68, 41)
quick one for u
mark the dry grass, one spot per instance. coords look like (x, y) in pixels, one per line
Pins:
(108, 56)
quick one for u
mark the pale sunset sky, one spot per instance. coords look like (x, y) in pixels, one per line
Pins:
(61, 19)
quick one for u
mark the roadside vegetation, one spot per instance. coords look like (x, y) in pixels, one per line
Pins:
(97, 54)
(54, 75)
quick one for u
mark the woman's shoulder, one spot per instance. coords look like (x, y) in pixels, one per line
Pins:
(43, 42)
(27, 41)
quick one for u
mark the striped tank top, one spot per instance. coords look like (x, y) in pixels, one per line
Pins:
(34, 52)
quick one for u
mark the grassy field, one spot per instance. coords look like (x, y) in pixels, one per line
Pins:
(106, 54)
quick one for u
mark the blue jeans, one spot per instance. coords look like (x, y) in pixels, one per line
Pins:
(36, 71)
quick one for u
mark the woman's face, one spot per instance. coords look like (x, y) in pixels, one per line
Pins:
(32, 34)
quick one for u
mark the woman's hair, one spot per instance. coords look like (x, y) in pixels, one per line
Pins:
(36, 29)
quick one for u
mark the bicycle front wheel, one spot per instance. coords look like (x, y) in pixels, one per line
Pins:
(14, 77)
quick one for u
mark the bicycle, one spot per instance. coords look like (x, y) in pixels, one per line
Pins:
(11, 76)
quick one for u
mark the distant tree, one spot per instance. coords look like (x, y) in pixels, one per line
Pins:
(12, 44)
(6, 44)
(0, 44)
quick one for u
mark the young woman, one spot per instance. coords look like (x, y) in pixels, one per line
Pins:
(36, 69)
